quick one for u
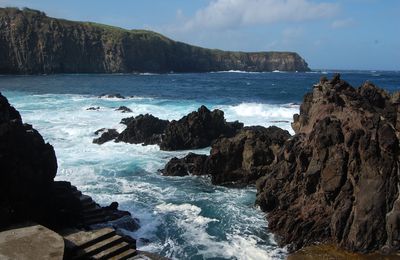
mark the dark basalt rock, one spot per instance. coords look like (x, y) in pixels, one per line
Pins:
(124, 109)
(106, 135)
(27, 167)
(93, 108)
(145, 129)
(337, 180)
(117, 95)
(197, 130)
(192, 163)
(242, 159)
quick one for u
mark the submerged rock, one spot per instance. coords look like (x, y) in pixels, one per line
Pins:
(197, 130)
(117, 95)
(337, 180)
(192, 163)
(145, 129)
(124, 109)
(106, 135)
(93, 108)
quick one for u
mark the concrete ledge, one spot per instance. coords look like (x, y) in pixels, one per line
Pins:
(32, 242)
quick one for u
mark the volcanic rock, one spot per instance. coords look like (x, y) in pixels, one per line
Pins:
(124, 109)
(28, 166)
(192, 163)
(106, 135)
(242, 159)
(117, 95)
(93, 108)
(197, 130)
(145, 129)
(337, 180)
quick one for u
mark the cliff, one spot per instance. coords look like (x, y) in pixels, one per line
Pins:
(33, 43)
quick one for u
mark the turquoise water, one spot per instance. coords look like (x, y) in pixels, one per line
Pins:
(182, 217)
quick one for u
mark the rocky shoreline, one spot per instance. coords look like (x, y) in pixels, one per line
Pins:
(336, 181)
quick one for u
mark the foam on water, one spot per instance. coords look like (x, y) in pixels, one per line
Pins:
(182, 217)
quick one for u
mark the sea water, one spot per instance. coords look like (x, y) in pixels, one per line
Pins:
(180, 217)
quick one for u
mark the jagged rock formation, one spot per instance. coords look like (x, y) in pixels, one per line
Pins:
(124, 109)
(27, 167)
(197, 130)
(238, 160)
(192, 163)
(337, 180)
(33, 43)
(106, 135)
(146, 129)
(28, 191)
(242, 159)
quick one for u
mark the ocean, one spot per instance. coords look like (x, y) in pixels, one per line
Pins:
(180, 217)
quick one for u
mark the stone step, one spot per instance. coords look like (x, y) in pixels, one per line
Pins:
(100, 247)
(124, 255)
(113, 251)
(85, 239)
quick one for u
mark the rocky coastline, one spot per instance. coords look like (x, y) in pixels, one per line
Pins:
(29, 194)
(335, 182)
(33, 43)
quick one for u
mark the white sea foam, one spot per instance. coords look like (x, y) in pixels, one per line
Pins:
(262, 114)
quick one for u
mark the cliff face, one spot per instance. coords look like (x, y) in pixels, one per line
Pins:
(33, 43)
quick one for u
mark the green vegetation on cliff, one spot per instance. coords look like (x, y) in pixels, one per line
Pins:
(32, 42)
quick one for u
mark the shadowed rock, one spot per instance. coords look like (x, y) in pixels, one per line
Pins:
(106, 135)
(242, 159)
(27, 167)
(192, 163)
(124, 109)
(197, 130)
(337, 180)
(145, 129)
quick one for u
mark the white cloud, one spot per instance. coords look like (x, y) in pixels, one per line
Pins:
(342, 23)
(228, 14)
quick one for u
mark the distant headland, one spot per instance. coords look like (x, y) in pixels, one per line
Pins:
(33, 43)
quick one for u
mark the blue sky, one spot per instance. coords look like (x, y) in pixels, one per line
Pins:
(341, 34)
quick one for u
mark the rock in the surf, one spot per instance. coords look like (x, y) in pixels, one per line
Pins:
(337, 180)
(197, 130)
(146, 129)
(192, 163)
(242, 159)
(124, 109)
(106, 135)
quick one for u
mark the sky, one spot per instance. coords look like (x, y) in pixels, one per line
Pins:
(328, 34)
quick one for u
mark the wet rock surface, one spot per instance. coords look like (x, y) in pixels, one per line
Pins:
(106, 135)
(234, 161)
(146, 129)
(124, 109)
(242, 159)
(337, 180)
(192, 163)
(197, 130)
